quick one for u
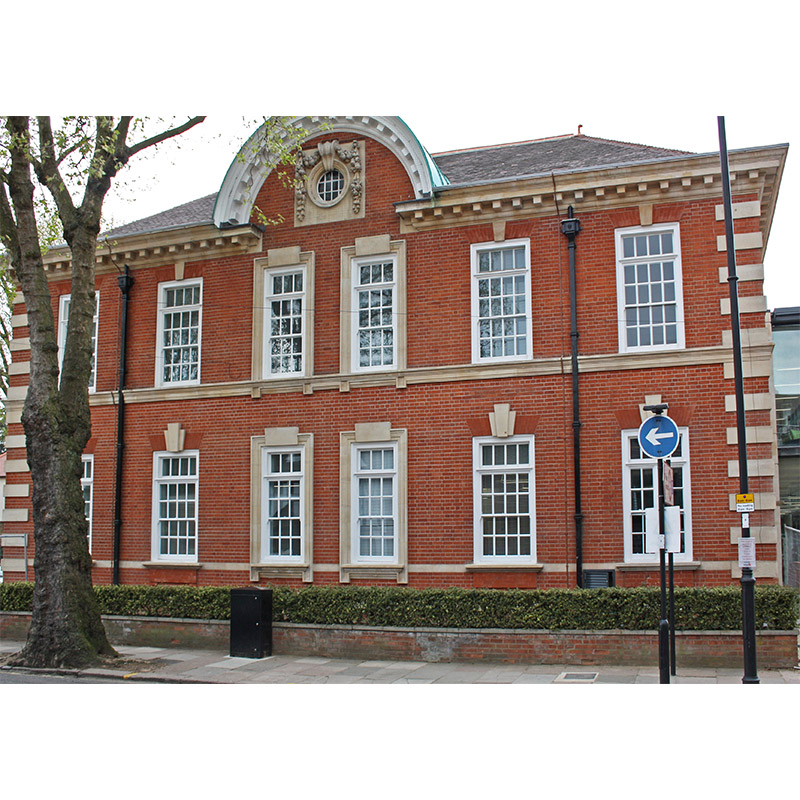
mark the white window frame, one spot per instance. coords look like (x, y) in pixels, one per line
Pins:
(87, 482)
(371, 249)
(372, 436)
(267, 475)
(475, 252)
(623, 262)
(262, 565)
(158, 481)
(63, 322)
(162, 312)
(628, 464)
(269, 298)
(479, 470)
(357, 288)
(357, 474)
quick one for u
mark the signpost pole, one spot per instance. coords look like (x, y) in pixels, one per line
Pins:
(672, 666)
(669, 499)
(663, 623)
(658, 438)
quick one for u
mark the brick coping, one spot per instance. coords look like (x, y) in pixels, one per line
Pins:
(431, 629)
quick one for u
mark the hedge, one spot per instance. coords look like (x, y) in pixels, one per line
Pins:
(702, 608)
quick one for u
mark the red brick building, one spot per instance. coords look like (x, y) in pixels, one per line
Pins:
(380, 388)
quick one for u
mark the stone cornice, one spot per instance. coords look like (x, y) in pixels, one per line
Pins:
(757, 171)
(194, 243)
(345, 382)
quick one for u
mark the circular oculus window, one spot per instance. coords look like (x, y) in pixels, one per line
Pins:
(330, 186)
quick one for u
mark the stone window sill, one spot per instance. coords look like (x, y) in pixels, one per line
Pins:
(641, 567)
(504, 567)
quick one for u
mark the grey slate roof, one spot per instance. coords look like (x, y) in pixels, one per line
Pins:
(556, 154)
(196, 212)
(476, 165)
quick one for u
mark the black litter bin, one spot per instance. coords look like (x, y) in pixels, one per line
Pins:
(251, 623)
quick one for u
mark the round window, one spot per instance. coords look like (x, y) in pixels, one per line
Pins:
(330, 186)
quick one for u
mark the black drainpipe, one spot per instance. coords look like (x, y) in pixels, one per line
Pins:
(571, 227)
(125, 282)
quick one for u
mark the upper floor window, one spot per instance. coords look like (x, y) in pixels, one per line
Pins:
(283, 314)
(504, 500)
(640, 492)
(63, 321)
(649, 288)
(285, 324)
(373, 305)
(375, 309)
(179, 332)
(501, 301)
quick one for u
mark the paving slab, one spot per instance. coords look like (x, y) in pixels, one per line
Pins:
(167, 664)
(539, 677)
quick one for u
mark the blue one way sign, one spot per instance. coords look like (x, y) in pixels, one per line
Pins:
(658, 436)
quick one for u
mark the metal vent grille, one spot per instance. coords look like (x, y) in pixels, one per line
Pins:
(598, 578)
(576, 677)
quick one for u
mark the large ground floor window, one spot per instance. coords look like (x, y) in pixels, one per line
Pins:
(640, 492)
(504, 500)
(175, 506)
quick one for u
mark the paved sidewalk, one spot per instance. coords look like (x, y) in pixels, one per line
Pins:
(173, 665)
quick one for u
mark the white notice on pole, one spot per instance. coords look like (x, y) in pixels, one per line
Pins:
(672, 524)
(747, 552)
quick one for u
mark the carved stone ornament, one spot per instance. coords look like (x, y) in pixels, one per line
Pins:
(313, 164)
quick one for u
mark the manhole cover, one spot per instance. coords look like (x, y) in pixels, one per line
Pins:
(576, 677)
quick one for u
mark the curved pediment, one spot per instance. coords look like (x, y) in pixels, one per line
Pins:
(254, 162)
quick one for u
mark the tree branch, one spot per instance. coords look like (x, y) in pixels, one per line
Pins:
(160, 137)
(48, 174)
(8, 225)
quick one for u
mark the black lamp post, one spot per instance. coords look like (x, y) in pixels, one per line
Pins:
(748, 579)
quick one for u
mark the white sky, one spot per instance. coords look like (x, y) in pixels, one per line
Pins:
(467, 75)
(460, 75)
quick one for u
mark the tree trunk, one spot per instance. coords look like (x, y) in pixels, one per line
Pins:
(66, 629)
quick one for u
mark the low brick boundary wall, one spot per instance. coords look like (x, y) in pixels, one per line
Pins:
(774, 649)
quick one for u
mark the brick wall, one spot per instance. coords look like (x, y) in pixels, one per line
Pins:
(441, 418)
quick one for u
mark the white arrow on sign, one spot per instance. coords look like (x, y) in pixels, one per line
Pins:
(654, 437)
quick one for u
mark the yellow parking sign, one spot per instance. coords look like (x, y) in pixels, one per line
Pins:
(745, 503)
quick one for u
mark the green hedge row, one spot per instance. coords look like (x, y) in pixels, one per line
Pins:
(706, 608)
